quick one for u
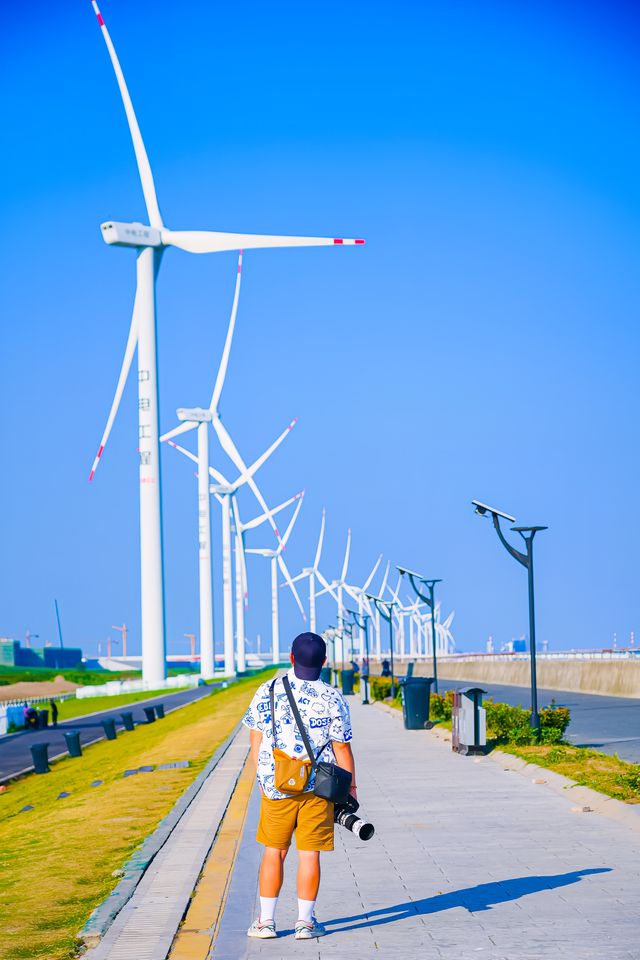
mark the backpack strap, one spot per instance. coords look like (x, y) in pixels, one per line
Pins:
(272, 698)
(313, 757)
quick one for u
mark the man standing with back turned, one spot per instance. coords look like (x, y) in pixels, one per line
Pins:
(325, 716)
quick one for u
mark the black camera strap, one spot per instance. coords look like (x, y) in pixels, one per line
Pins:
(296, 713)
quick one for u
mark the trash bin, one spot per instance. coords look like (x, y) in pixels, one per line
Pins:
(325, 674)
(109, 725)
(40, 754)
(160, 711)
(43, 719)
(150, 714)
(127, 720)
(416, 694)
(72, 738)
(347, 681)
(469, 722)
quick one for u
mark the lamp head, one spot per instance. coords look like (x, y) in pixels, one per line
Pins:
(482, 509)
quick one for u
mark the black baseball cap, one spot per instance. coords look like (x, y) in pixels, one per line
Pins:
(309, 652)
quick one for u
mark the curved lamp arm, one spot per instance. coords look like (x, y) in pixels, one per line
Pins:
(520, 557)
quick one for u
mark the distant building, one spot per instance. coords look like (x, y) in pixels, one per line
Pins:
(13, 654)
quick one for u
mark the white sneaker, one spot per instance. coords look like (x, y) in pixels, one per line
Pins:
(263, 931)
(309, 931)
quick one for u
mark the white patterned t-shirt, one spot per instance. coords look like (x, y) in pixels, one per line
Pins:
(324, 713)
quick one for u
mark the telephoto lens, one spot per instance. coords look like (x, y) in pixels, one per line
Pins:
(345, 815)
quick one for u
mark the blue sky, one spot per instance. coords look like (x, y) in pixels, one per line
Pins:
(483, 344)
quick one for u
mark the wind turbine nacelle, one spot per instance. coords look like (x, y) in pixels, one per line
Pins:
(130, 234)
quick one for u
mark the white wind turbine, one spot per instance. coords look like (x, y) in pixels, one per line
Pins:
(241, 568)
(313, 572)
(337, 588)
(275, 556)
(150, 240)
(378, 624)
(363, 603)
(225, 493)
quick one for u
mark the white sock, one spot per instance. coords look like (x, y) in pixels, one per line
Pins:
(305, 910)
(268, 908)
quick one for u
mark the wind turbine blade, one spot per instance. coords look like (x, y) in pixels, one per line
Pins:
(367, 582)
(352, 593)
(346, 555)
(301, 576)
(394, 593)
(384, 579)
(287, 532)
(244, 478)
(291, 585)
(240, 551)
(144, 167)
(129, 350)
(232, 452)
(224, 362)
(257, 521)
(320, 540)
(183, 427)
(183, 451)
(207, 241)
(217, 476)
(328, 588)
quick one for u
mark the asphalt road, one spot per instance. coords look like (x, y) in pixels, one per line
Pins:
(610, 724)
(15, 752)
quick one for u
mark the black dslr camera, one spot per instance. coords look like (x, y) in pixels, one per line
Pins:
(345, 815)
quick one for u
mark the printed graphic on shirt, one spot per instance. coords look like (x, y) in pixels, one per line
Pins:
(324, 713)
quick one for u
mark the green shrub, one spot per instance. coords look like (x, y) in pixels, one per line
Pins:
(441, 706)
(511, 724)
(380, 688)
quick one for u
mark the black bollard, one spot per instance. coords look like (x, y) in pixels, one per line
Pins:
(150, 714)
(72, 738)
(127, 720)
(109, 725)
(160, 711)
(40, 754)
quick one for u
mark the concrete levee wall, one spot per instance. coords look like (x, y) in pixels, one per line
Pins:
(616, 678)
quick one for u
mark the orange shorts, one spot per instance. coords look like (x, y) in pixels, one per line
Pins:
(308, 816)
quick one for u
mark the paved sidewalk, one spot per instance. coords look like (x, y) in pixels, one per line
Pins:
(469, 860)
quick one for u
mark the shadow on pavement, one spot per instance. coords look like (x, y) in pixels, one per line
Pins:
(474, 899)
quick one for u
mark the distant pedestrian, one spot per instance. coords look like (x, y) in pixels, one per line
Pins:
(386, 671)
(364, 672)
(54, 712)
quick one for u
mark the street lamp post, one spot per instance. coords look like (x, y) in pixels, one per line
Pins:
(526, 559)
(362, 622)
(386, 614)
(430, 601)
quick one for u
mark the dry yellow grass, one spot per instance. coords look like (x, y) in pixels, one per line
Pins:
(57, 860)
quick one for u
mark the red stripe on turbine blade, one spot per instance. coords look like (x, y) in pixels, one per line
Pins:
(91, 475)
(338, 240)
(101, 448)
(100, 20)
(361, 241)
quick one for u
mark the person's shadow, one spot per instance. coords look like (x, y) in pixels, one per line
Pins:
(481, 897)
